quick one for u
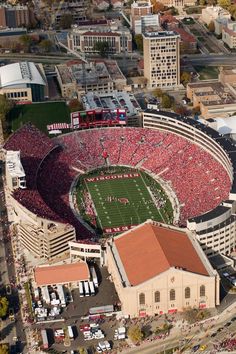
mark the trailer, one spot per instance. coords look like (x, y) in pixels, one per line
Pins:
(44, 338)
(81, 289)
(86, 288)
(94, 276)
(92, 289)
(70, 332)
(61, 295)
(45, 294)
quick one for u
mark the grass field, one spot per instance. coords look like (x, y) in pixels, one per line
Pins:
(207, 72)
(40, 114)
(108, 197)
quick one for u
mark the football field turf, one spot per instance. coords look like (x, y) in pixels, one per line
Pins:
(122, 201)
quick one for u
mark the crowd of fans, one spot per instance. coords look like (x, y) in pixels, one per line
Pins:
(198, 180)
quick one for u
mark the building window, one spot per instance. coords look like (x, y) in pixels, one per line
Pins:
(187, 293)
(142, 299)
(172, 295)
(202, 290)
(157, 296)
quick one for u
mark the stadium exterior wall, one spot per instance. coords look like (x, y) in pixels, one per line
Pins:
(215, 230)
(45, 239)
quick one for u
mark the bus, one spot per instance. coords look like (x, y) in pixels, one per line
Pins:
(92, 289)
(94, 276)
(81, 289)
(70, 332)
(44, 338)
(86, 288)
(61, 295)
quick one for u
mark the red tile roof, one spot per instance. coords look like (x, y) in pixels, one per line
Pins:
(61, 274)
(185, 36)
(106, 34)
(150, 250)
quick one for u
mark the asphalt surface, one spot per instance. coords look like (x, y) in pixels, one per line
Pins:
(10, 330)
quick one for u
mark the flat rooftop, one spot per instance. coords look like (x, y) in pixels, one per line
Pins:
(213, 93)
(160, 34)
(114, 100)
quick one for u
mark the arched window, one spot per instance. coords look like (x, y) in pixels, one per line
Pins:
(202, 290)
(142, 299)
(172, 295)
(157, 296)
(187, 293)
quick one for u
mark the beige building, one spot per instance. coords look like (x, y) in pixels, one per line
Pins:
(161, 52)
(160, 269)
(23, 82)
(178, 3)
(102, 76)
(229, 34)
(118, 39)
(139, 9)
(64, 274)
(214, 99)
(211, 13)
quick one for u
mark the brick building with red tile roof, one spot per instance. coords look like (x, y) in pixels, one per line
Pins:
(159, 268)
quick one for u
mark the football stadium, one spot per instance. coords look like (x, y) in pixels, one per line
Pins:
(105, 180)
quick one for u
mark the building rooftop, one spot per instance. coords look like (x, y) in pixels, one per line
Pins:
(61, 274)
(89, 73)
(20, 73)
(160, 34)
(212, 93)
(13, 163)
(152, 249)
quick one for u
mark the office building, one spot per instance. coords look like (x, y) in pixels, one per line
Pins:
(14, 16)
(161, 51)
(139, 9)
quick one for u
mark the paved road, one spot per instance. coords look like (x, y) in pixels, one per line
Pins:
(10, 329)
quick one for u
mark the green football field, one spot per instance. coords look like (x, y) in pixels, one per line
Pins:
(123, 202)
(40, 114)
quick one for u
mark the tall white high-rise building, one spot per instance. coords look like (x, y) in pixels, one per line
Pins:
(161, 52)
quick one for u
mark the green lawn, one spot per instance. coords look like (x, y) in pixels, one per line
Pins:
(207, 72)
(140, 205)
(40, 114)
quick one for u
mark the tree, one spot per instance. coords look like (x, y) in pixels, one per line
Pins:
(202, 2)
(66, 21)
(26, 41)
(3, 306)
(158, 92)
(224, 3)
(211, 27)
(166, 101)
(82, 350)
(4, 349)
(232, 10)
(135, 333)
(139, 42)
(46, 45)
(102, 47)
(75, 105)
(5, 107)
(157, 6)
(185, 77)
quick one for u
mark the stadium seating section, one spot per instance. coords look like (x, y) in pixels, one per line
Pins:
(199, 181)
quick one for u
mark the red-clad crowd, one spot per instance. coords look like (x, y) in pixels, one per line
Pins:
(198, 180)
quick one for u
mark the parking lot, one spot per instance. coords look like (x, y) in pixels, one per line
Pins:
(71, 315)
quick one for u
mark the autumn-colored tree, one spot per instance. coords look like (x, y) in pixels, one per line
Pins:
(158, 92)
(211, 27)
(75, 105)
(157, 6)
(224, 3)
(166, 101)
(4, 349)
(135, 333)
(185, 77)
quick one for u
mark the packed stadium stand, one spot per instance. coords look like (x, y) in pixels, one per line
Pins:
(199, 181)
